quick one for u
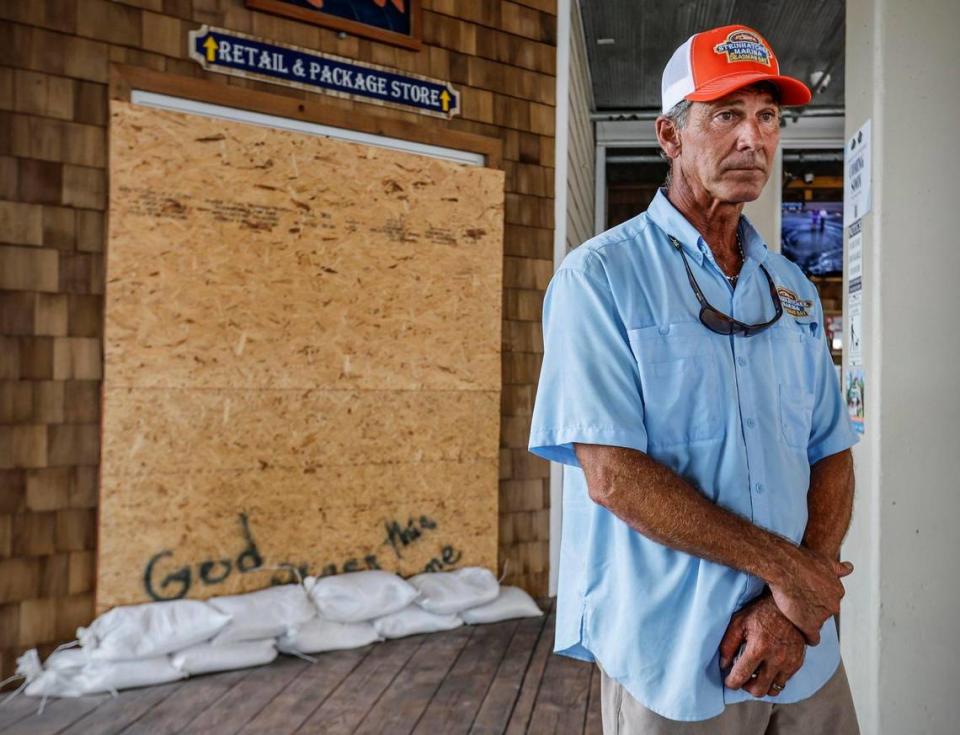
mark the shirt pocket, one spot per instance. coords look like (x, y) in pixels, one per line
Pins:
(795, 348)
(796, 414)
(679, 383)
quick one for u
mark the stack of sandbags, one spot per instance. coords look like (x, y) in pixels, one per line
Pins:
(158, 642)
(449, 593)
(249, 639)
(440, 597)
(474, 595)
(346, 606)
(125, 647)
(447, 600)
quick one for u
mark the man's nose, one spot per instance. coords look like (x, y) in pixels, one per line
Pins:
(750, 135)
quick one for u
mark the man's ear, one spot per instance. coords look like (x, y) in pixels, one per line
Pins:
(668, 136)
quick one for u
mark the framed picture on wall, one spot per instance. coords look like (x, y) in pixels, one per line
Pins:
(389, 21)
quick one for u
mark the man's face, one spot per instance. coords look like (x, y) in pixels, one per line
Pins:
(728, 146)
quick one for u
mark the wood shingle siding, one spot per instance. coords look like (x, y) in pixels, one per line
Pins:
(55, 66)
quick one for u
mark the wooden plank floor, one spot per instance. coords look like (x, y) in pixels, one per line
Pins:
(476, 680)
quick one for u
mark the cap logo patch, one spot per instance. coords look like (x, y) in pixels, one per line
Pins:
(793, 304)
(744, 46)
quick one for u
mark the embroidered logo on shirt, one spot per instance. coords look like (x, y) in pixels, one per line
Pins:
(792, 303)
(744, 46)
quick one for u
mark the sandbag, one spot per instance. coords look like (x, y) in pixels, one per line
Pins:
(150, 629)
(412, 620)
(512, 602)
(67, 658)
(98, 677)
(358, 596)
(266, 613)
(319, 635)
(206, 658)
(446, 593)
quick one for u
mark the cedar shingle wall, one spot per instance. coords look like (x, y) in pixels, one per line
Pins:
(54, 67)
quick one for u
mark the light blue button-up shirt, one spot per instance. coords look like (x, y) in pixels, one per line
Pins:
(627, 363)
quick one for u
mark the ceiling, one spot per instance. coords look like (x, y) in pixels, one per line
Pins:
(807, 36)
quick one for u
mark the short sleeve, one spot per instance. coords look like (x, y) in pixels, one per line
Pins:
(589, 387)
(831, 430)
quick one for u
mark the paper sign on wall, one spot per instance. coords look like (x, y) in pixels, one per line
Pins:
(857, 198)
(854, 396)
(854, 387)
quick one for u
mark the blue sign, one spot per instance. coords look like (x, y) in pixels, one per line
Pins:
(240, 55)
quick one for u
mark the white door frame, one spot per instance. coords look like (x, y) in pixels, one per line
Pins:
(805, 134)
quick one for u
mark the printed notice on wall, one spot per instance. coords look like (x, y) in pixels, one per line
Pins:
(854, 394)
(857, 199)
(854, 334)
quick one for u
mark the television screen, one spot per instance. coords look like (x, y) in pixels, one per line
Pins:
(812, 236)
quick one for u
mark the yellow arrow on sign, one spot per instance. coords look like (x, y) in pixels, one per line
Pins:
(445, 99)
(211, 46)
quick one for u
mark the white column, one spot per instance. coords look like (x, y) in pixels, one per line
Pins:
(764, 213)
(900, 624)
(564, 10)
(600, 190)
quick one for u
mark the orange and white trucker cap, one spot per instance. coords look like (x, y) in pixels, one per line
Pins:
(714, 63)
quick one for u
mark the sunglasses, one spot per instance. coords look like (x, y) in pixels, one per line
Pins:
(714, 319)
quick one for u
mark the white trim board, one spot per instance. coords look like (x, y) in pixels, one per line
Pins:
(561, 174)
(179, 104)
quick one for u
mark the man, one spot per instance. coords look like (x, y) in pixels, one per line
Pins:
(688, 389)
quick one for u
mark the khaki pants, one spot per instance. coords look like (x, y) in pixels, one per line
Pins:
(828, 712)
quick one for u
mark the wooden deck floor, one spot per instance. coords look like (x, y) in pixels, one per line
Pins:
(480, 680)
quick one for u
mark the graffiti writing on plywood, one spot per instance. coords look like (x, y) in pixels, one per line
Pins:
(164, 578)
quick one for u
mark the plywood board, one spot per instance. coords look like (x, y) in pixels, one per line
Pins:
(294, 428)
(302, 358)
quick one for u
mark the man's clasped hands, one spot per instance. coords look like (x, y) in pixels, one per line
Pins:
(775, 628)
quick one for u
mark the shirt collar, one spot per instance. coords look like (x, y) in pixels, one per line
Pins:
(754, 246)
(668, 218)
(755, 250)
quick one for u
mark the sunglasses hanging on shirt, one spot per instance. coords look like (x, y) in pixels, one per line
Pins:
(714, 319)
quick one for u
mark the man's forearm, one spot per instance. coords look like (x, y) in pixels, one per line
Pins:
(829, 503)
(655, 501)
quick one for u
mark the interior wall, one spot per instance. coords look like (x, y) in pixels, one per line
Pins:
(54, 70)
(898, 623)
